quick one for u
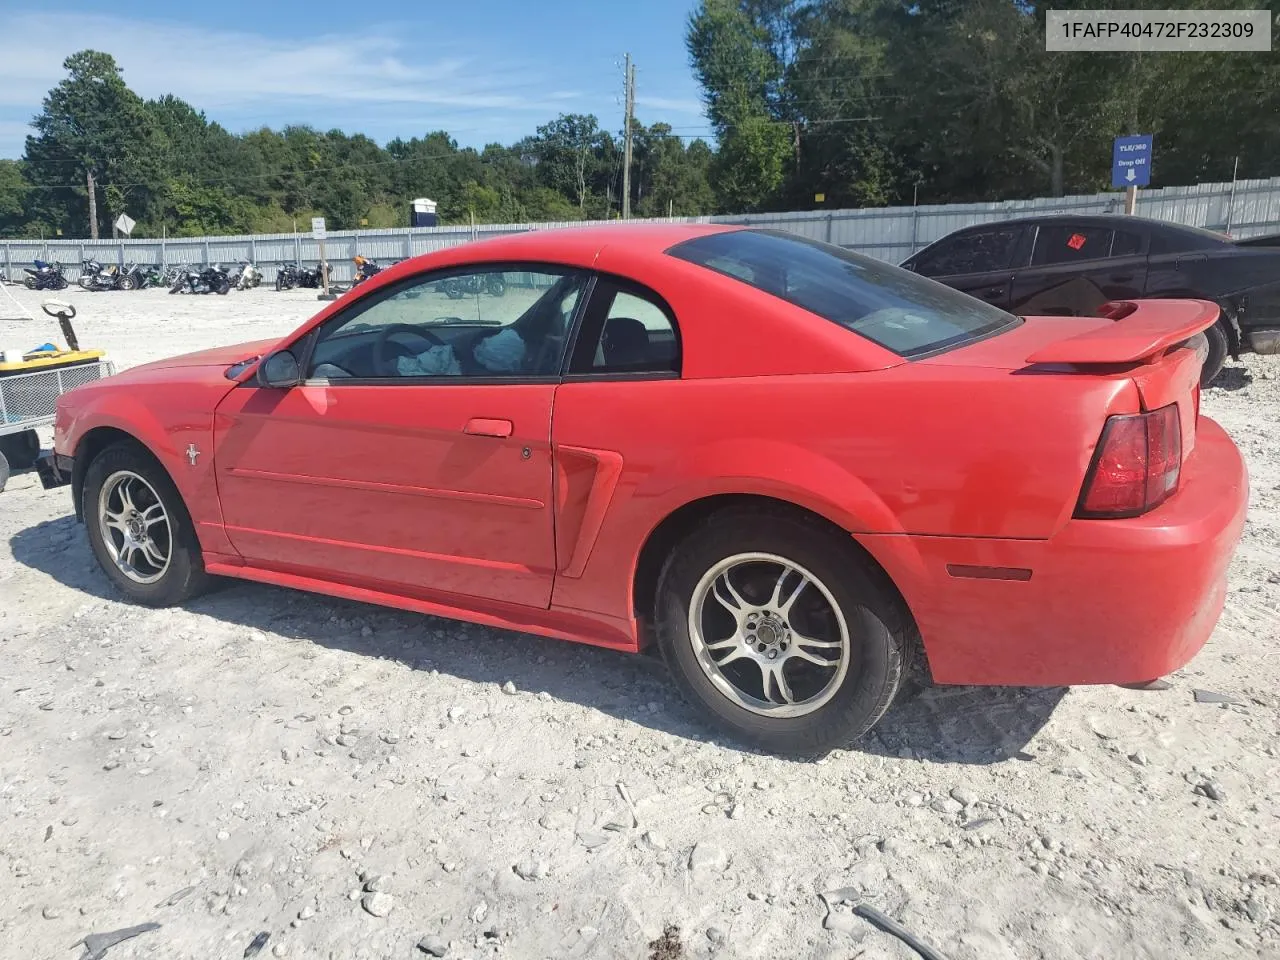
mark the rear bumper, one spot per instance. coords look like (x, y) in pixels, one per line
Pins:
(1107, 601)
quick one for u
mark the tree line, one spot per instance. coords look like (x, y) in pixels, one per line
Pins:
(170, 169)
(813, 103)
(878, 102)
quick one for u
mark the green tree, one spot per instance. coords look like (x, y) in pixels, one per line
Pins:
(95, 133)
(737, 63)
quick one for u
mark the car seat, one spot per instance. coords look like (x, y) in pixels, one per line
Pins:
(625, 344)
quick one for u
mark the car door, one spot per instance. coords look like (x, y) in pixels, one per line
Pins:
(1077, 267)
(978, 262)
(415, 454)
(612, 415)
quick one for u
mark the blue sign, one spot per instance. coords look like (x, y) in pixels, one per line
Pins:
(1131, 161)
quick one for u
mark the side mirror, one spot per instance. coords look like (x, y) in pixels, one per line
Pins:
(279, 369)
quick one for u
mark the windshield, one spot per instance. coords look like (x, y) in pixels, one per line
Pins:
(898, 310)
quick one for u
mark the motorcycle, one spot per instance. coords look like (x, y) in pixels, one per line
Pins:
(212, 279)
(45, 276)
(94, 276)
(365, 268)
(292, 275)
(250, 276)
(456, 288)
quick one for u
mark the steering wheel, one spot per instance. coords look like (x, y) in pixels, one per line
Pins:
(384, 366)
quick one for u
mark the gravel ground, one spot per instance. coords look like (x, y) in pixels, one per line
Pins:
(362, 783)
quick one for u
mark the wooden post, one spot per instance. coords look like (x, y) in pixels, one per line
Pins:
(1130, 200)
(93, 205)
(324, 270)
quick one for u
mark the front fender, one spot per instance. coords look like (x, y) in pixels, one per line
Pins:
(172, 418)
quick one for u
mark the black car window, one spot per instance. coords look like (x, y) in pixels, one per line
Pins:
(1126, 244)
(483, 321)
(1069, 244)
(628, 329)
(889, 306)
(980, 251)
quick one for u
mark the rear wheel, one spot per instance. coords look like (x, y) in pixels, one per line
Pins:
(224, 287)
(139, 528)
(1217, 357)
(127, 283)
(781, 631)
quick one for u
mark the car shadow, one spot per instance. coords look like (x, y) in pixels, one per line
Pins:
(967, 725)
(1232, 379)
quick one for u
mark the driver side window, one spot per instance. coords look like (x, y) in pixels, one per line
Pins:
(480, 322)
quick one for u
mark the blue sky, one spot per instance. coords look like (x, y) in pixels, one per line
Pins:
(484, 70)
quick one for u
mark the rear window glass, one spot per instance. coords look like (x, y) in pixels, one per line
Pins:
(892, 307)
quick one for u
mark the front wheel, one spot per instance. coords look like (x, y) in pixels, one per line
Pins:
(29, 282)
(780, 629)
(139, 528)
(127, 283)
(224, 288)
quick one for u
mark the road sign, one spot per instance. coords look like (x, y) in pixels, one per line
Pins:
(125, 224)
(1131, 161)
(317, 228)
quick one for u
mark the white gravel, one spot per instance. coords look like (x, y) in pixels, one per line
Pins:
(361, 783)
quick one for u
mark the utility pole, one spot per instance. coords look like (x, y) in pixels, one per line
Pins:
(93, 205)
(626, 150)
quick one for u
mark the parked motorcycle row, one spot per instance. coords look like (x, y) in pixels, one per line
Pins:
(210, 278)
(182, 278)
(215, 278)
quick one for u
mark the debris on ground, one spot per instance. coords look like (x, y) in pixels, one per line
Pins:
(96, 945)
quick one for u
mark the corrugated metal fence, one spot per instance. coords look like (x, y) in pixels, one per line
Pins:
(1246, 208)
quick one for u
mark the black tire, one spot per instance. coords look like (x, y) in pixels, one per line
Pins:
(21, 449)
(4, 472)
(59, 283)
(127, 283)
(29, 282)
(496, 285)
(224, 287)
(880, 630)
(177, 287)
(1217, 357)
(184, 577)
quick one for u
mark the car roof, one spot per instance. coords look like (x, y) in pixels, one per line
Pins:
(639, 238)
(1112, 220)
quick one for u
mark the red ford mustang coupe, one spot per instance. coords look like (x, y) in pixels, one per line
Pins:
(801, 473)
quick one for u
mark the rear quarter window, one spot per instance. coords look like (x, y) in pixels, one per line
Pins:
(892, 307)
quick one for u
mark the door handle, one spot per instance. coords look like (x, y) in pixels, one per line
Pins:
(1121, 277)
(484, 427)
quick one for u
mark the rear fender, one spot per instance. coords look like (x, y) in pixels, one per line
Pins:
(775, 469)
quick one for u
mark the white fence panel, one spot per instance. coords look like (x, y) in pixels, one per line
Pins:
(1247, 208)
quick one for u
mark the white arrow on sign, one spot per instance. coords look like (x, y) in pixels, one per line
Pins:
(1130, 175)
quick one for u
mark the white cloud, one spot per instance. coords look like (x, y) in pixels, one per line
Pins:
(232, 73)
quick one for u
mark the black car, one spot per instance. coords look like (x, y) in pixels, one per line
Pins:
(1069, 265)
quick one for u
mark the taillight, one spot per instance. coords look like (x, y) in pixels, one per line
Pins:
(1136, 466)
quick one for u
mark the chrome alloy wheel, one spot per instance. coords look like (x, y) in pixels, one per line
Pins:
(134, 526)
(769, 635)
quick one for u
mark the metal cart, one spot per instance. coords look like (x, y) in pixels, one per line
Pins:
(29, 390)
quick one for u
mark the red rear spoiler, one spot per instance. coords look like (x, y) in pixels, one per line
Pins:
(1142, 329)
